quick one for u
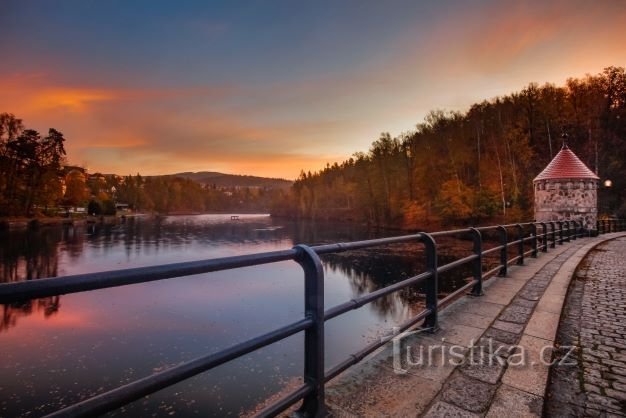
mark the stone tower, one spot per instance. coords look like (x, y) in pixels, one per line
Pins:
(567, 190)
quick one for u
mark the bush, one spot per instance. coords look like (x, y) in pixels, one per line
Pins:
(94, 208)
(108, 207)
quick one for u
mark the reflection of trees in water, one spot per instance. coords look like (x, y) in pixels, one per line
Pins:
(28, 255)
(31, 255)
(160, 232)
(375, 268)
(11, 312)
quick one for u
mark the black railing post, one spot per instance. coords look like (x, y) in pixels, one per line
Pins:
(533, 227)
(574, 229)
(544, 228)
(560, 223)
(553, 233)
(581, 230)
(520, 244)
(504, 255)
(432, 283)
(598, 226)
(313, 404)
(477, 265)
(567, 232)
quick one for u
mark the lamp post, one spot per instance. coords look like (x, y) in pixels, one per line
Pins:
(603, 196)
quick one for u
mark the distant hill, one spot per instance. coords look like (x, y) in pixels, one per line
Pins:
(233, 180)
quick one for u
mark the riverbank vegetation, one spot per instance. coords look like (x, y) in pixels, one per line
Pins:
(478, 165)
(36, 180)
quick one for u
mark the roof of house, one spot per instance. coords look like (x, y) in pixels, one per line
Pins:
(566, 165)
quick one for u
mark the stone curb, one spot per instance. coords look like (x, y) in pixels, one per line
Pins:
(541, 329)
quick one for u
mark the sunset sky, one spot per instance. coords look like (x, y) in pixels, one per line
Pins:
(272, 87)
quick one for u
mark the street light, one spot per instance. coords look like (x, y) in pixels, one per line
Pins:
(604, 197)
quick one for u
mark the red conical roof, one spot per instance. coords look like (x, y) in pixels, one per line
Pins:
(566, 165)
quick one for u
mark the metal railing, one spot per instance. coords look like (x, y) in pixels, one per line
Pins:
(311, 392)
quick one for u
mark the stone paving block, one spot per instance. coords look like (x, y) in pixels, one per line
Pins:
(556, 291)
(488, 372)
(508, 327)
(543, 325)
(487, 309)
(502, 297)
(467, 393)
(426, 357)
(551, 303)
(532, 376)
(555, 408)
(466, 318)
(384, 393)
(460, 334)
(500, 335)
(446, 410)
(505, 285)
(511, 402)
(530, 294)
(514, 315)
(495, 347)
(525, 302)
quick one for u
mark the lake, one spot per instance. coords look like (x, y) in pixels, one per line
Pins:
(56, 351)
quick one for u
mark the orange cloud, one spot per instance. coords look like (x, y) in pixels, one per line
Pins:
(76, 100)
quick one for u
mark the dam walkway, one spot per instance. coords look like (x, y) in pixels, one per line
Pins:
(511, 351)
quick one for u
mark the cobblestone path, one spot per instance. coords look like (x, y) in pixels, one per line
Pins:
(594, 320)
(475, 390)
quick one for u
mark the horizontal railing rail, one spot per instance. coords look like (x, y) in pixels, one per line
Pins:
(539, 236)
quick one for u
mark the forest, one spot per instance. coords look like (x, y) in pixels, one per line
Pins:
(172, 195)
(475, 166)
(36, 180)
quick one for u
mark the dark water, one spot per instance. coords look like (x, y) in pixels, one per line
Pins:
(56, 351)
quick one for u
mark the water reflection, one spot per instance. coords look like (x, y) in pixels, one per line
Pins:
(67, 348)
(28, 255)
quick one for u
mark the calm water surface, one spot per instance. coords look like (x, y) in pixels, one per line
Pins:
(56, 351)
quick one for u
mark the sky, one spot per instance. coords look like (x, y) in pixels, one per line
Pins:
(272, 87)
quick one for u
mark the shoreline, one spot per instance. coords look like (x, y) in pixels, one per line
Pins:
(17, 223)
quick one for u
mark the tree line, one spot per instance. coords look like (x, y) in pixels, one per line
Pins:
(467, 167)
(35, 179)
(166, 194)
(30, 166)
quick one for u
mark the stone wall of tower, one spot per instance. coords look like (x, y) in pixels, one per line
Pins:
(567, 200)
